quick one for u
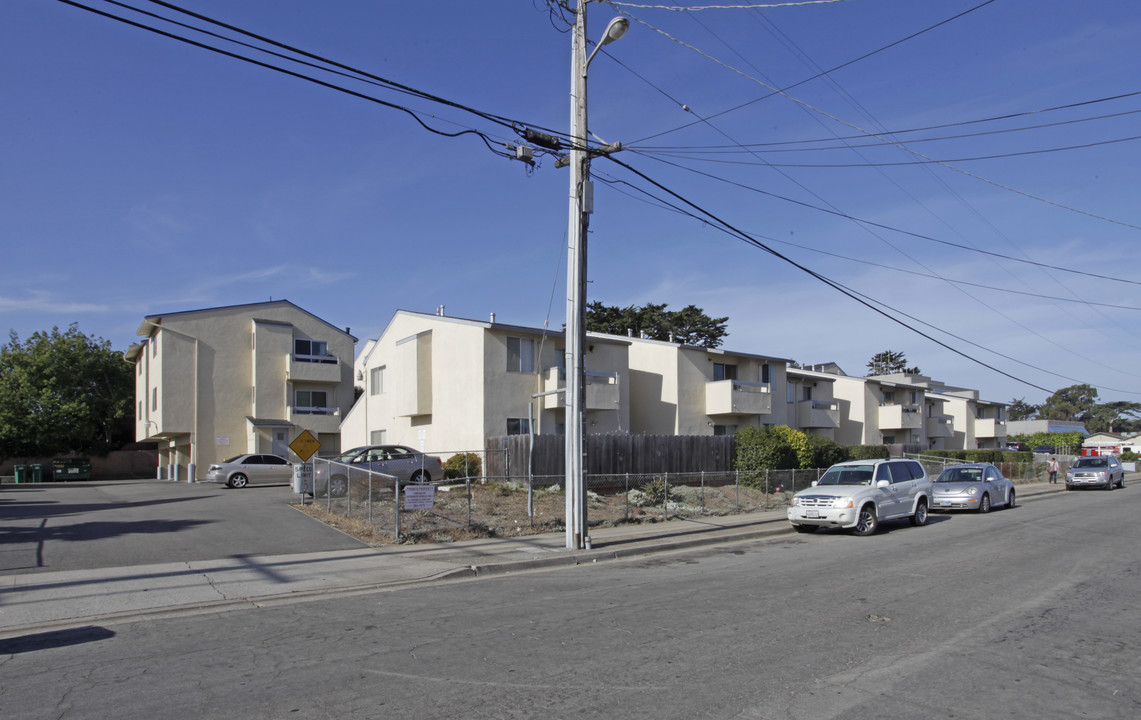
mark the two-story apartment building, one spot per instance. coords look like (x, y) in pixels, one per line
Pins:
(444, 384)
(912, 409)
(687, 390)
(219, 382)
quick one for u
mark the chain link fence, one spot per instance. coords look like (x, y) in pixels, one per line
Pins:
(482, 506)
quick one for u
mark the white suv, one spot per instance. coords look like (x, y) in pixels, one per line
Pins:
(858, 494)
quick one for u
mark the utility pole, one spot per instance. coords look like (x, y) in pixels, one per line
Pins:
(581, 206)
(579, 221)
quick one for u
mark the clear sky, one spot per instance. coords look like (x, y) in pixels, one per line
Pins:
(141, 175)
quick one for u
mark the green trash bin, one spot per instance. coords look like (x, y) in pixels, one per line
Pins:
(36, 473)
(21, 473)
(71, 469)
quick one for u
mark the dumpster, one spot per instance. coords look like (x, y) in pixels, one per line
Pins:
(21, 473)
(35, 473)
(71, 469)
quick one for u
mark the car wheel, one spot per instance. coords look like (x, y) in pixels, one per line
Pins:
(1069, 487)
(806, 528)
(1010, 499)
(1109, 484)
(238, 480)
(866, 522)
(1121, 482)
(919, 519)
(338, 486)
(984, 504)
(420, 477)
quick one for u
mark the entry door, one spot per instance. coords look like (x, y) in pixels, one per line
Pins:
(281, 444)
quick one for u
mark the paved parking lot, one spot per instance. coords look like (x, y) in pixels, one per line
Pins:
(83, 525)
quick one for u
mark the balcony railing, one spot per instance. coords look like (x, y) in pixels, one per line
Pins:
(939, 426)
(738, 397)
(322, 371)
(818, 414)
(601, 390)
(893, 416)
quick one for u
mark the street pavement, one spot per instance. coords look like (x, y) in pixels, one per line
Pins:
(49, 601)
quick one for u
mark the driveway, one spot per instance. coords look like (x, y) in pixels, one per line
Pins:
(84, 525)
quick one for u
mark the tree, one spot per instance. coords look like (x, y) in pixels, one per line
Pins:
(688, 326)
(62, 392)
(1073, 403)
(890, 362)
(1019, 409)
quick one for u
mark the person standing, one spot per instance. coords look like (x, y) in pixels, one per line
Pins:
(1053, 468)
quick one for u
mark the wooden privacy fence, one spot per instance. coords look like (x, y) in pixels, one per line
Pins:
(611, 454)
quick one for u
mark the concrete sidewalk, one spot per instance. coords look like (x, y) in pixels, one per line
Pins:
(42, 602)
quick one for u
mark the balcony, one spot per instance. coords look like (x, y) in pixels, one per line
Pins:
(900, 417)
(737, 397)
(601, 390)
(817, 414)
(316, 419)
(307, 368)
(939, 426)
(989, 428)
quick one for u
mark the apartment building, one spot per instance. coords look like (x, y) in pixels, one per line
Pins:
(444, 384)
(812, 406)
(219, 382)
(686, 390)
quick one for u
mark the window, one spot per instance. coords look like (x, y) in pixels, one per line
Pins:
(518, 426)
(272, 460)
(889, 439)
(790, 392)
(724, 371)
(154, 398)
(154, 346)
(720, 430)
(807, 392)
(311, 401)
(376, 381)
(252, 460)
(311, 351)
(889, 396)
(765, 373)
(520, 355)
(140, 417)
(377, 437)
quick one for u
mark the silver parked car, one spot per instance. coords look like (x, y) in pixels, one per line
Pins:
(1103, 471)
(404, 463)
(251, 469)
(977, 486)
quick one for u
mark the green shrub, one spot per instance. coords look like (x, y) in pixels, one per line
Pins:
(463, 465)
(764, 448)
(655, 492)
(1127, 456)
(826, 453)
(868, 452)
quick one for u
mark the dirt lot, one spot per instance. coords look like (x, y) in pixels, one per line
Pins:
(504, 510)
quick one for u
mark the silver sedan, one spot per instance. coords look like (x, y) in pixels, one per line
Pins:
(251, 469)
(978, 487)
(1103, 472)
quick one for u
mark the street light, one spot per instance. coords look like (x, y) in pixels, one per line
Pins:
(581, 206)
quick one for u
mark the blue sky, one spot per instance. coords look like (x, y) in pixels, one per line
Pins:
(140, 175)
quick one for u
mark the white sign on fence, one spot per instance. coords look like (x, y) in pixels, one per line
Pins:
(419, 497)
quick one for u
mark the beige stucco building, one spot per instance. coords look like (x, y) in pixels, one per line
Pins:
(444, 384)
(912, 409)
(219, 382)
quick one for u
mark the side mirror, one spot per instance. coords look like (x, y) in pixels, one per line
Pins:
(815, 483)
(883, 483)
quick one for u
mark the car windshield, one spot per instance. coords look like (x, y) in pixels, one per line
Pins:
(954, 475)
(848, 475)
(1091, 462)
(347, 456)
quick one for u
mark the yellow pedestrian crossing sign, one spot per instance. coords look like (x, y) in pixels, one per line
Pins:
(304, 445)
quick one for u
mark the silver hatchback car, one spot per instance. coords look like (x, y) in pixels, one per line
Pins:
(977, 486)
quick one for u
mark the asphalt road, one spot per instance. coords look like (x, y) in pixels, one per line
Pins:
(1023, 613)
(82, 525)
